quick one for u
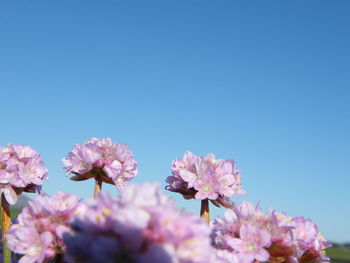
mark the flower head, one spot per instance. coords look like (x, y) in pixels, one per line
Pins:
(142, 225)
(250, 234)
(21, 170)
(38, 233)
(205, 178)
(310, 244)
(114, 163)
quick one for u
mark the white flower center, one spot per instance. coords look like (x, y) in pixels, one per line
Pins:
(207, 188)
(250, 247)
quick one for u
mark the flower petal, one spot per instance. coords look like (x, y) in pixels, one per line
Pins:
(10, 195)
(262, 255)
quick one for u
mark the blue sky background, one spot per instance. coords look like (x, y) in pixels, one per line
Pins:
(265, 83)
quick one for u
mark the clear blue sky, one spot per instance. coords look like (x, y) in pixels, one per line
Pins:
(263, 82)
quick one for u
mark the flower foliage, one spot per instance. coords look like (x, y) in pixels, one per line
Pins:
(21, 170)
(113, 163)
(205, 178)
(140, 226)
(252, 235)
(38, 233)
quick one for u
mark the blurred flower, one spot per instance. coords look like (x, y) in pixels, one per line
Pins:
(113, 163)
(250, 235)
(140, 226)
(21, 170)
(310, 244)
(38, 233)
(225, 256)
(205, 178)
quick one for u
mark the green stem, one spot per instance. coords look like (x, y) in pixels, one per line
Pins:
(6, 253)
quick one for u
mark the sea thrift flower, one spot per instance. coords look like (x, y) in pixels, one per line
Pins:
(114, 163)
(250, 234)
(310, 244)
(207, 188)
(140, 226)
(21, 170)
(205, 178)
(251, 243)
(38, 234)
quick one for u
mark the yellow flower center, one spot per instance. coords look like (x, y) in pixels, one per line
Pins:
(250, 247)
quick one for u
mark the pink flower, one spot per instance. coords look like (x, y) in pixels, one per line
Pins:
(310, 244)
(142, 225)
(41, 225)
(205, 178)
(114, 163)
(21, 170)
(251, 234)
(207, 188)
(229, 179)
(251, 243)
(27, 241)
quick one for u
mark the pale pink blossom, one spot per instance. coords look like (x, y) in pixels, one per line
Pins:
(100, 158)
(205, 178)
(21, 170)
(41, 226)
(141, 225)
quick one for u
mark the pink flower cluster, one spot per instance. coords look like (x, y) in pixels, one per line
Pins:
(309, 243)
(38, 233)
(21, 170)
(205, 178)
(114, 163)
(246, 234)
(140, 226)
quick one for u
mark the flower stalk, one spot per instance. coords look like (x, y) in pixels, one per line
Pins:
(98, 186)
(5, 226)
(205, 211)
